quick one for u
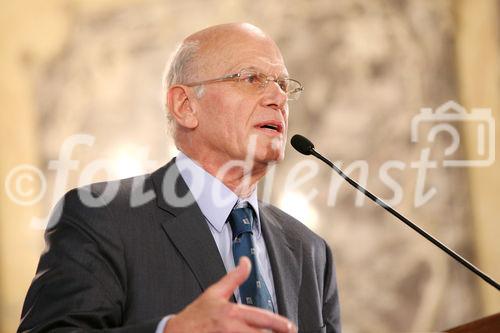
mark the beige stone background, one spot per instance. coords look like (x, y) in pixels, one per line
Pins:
(94, 67)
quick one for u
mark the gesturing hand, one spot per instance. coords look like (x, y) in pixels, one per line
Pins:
(213, 312)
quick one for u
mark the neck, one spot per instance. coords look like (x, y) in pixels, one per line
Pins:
(240, 177)
(241, 182)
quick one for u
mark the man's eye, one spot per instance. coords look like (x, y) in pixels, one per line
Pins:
(251, 78)
(283, 85)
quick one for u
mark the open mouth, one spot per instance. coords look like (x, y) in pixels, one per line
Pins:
(271, 126)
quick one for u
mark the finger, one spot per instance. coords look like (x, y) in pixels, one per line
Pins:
(239, 326)
(263, 319)
(226, 286)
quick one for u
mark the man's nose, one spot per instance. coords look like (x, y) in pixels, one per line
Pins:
(275, 96)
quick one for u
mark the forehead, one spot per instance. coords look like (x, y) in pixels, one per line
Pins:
(260, 53)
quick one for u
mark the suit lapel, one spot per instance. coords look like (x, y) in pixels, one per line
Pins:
(285, 255)
(190, 234)
(187, 229)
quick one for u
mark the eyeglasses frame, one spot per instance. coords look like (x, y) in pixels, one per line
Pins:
(237, 76)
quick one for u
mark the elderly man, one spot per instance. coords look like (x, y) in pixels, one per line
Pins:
(168, 264)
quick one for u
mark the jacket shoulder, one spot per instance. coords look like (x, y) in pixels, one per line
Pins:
(291, 226)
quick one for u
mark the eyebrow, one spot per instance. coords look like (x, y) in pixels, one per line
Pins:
(257, 69)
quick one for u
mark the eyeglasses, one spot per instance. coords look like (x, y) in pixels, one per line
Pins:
(257, 81)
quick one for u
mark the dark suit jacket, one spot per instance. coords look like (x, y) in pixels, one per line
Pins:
(121, 269)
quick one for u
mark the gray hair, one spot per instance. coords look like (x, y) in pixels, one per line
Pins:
(180, 69)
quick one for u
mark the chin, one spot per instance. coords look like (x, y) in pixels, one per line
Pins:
(269, 151)
(270, 156)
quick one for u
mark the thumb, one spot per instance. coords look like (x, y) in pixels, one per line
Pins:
(226, 286)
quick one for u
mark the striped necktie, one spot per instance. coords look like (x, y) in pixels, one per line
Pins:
(254, 290)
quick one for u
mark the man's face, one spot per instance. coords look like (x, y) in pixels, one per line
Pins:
(234, 118)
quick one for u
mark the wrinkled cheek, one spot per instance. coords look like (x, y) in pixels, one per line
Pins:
(277, 144)
(281, 149)
(275, 149)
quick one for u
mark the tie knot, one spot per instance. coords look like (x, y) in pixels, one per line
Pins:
(241, 220)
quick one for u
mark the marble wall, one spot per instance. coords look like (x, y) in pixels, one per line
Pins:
(368, 67)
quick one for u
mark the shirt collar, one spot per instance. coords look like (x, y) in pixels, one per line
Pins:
(213, 197)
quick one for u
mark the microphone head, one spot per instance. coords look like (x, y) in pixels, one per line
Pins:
(302, 144)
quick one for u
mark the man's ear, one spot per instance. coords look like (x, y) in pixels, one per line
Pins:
(181, 108)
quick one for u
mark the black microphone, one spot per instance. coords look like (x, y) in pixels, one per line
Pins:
(306, 147)
(302, 144)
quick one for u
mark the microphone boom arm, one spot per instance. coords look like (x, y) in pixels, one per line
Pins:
(406, 221)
